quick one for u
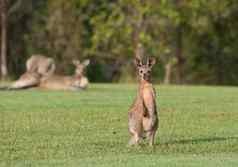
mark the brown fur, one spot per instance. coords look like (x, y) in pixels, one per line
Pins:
(26, 80)
(75, 82)
(143, 119)
(37, 66)
(43, 65)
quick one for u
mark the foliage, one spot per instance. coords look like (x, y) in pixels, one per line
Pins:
(195, 41)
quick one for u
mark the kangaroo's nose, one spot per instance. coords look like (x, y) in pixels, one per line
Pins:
(145, 76)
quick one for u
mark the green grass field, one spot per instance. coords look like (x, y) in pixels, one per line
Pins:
(198, 127)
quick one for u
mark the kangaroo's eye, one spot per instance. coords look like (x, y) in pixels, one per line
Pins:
(141, 71)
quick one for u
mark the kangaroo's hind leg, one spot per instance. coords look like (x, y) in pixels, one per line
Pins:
(151, 137)
(134, 140)
(135, 132)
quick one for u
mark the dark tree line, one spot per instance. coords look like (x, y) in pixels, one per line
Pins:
(195, 41)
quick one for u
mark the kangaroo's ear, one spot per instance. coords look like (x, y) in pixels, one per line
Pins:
(151, 61)
(76, 62)
(86, 62)
(137, 62)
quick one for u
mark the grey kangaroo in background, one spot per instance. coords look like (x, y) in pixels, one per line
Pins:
(62, 82)
(37, 67)
(142, 117)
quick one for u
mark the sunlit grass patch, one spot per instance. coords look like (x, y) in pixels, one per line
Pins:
(198, 127)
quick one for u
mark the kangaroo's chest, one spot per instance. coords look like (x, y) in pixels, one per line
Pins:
(139, 103)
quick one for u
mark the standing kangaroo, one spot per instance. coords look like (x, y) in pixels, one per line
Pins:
(75, 82)
(143, 118)
(37, 66)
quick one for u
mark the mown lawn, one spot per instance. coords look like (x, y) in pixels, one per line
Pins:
(198, 127)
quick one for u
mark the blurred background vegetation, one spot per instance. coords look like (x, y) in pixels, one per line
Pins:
(195, 41)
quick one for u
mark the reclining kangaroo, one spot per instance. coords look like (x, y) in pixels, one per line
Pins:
(41, 64)
(75, 82)
(37, 66)
(143, 118)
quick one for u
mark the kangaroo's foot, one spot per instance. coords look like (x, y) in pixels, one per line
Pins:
(134, 140)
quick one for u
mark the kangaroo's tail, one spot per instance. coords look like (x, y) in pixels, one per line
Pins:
(4, 88)
(9, 88)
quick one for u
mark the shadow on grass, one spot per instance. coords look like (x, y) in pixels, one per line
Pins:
(200, 140)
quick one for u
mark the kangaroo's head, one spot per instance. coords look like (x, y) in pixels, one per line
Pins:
(80, 67)
(144, 70)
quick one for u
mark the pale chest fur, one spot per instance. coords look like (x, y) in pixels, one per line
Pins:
(146, 94)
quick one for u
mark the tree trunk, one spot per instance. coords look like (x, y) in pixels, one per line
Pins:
(179, 55)
(4, 71)
(138, 48)
(138, 28)
(168, 73)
